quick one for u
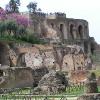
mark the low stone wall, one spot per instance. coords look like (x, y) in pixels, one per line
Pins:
(64, 58)
(18, 77)
(92, 96)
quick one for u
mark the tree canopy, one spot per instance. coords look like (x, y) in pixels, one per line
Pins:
(32, 6)
(13, 6)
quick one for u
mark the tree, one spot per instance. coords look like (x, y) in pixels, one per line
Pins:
(32, 6)
(39, 10)
(21, 19)
(12, 7)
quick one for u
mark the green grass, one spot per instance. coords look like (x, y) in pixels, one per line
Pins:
(24, 93)
(27, 97)
(77, 90)
(69, 91)
(23, 39)
(20, 94)
(11, 39)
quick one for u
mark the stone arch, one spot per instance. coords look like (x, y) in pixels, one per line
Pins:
(21, 60)
(71, 31)
(80, 31)
(61, 27)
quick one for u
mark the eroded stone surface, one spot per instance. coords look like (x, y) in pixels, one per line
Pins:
(93, 96)
(52, 83)
(58, 58)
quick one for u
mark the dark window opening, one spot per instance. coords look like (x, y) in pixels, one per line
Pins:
(61, 27)
(52, 25)
(1, 73)
(71, 31)
(80, 31)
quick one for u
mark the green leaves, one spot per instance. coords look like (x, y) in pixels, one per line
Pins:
(11, 26)
(13, 6)
(2, 28)
(32, 6)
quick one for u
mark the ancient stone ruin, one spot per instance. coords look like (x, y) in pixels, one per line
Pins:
(27, 65)
(47, 66)
(56, 28)
(91, 89)
(90, 97)
(51, 83)
(91, 84)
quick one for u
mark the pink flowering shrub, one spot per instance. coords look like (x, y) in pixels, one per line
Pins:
(21, 19)
(2, 14)
(18, 18)
(14, 26)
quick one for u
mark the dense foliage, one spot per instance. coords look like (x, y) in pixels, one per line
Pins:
(13, 6)
(32, 7)
(15, 26)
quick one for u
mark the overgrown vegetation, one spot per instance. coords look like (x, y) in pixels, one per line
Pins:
(16, 27)
(28, 38)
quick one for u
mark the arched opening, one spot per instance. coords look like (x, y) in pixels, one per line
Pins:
(61, 28)
(21, 60)
(80, 31)
(71, 31)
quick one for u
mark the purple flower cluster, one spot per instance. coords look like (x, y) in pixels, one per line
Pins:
(2, 14)
(21, 19)
(18, 18)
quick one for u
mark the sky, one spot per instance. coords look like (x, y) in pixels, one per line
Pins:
(80, 9)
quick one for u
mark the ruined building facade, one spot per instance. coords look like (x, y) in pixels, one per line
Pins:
(56, 28)
(24, 64)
